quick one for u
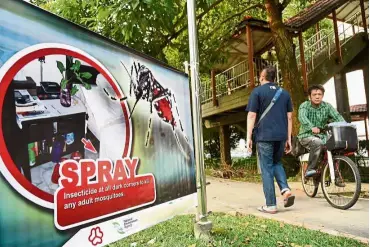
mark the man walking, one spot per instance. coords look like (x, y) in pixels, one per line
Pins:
(272, 106)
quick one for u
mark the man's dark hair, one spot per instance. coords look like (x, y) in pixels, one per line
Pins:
(270, 73)
(316, 87)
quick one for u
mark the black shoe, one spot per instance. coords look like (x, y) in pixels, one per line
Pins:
(310, 173)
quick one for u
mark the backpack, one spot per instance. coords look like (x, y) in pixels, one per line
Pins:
(297, 148)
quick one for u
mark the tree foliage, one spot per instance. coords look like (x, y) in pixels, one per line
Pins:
(159, 28)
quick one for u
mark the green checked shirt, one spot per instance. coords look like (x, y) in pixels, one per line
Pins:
(311, 117)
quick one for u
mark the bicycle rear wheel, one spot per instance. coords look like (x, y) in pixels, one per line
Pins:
(310, 185)
(345, 190)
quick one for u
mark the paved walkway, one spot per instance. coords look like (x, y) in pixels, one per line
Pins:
(315, 213)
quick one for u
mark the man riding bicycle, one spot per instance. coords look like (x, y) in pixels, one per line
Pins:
(313, 115)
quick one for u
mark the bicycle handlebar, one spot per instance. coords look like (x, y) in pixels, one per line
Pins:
(323, 129)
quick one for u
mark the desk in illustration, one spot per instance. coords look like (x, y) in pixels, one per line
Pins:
(44, 126)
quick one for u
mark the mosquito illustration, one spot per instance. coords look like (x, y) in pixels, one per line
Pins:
(146, 87)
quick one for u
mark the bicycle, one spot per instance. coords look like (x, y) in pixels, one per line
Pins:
(337, 174)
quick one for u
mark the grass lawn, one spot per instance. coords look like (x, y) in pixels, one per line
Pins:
(245, 176)
(234, 231)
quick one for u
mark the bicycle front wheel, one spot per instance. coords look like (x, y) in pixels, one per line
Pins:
(343, 193)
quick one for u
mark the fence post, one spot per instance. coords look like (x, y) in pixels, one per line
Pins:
(318, 35)
(336, 33)
(303, 63)
(250, 55)
(363, 16)
(213, 85)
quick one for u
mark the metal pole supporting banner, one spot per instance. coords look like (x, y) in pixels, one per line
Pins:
(202, 226)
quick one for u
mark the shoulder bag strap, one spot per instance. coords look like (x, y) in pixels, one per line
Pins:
(274, 99)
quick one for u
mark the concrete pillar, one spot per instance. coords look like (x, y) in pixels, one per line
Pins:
(365, 72)
(366, 129)
(225, 145)
(341, 93)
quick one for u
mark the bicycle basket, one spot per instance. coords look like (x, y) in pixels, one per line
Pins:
(342, 137)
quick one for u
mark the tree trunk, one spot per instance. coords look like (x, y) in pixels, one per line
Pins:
(225, 145)
(283, 43)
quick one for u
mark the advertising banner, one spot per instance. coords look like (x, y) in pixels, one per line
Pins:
(96, 139)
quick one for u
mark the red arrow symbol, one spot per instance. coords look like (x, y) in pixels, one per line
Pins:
(88, 145)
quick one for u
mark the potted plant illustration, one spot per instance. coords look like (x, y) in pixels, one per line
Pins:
(67, 89)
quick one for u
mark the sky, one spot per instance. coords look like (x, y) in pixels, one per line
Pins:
(356, 89)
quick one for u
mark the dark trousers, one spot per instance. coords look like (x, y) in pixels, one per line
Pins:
(315, 146)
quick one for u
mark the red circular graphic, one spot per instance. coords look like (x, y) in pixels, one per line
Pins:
(4, 84)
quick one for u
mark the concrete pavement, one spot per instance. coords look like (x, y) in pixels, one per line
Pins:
(314, 213)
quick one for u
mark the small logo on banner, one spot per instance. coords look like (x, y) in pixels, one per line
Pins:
(96, 236)
(118, 227)
(125, 225)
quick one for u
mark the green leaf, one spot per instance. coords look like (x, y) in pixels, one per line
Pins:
(87, 86)
(103, 13)
(63, 83)
(86, 75)
(135, 3)
(61, 67)
(74, 90)
(87, 20)
(76, 66)
(84, 4)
